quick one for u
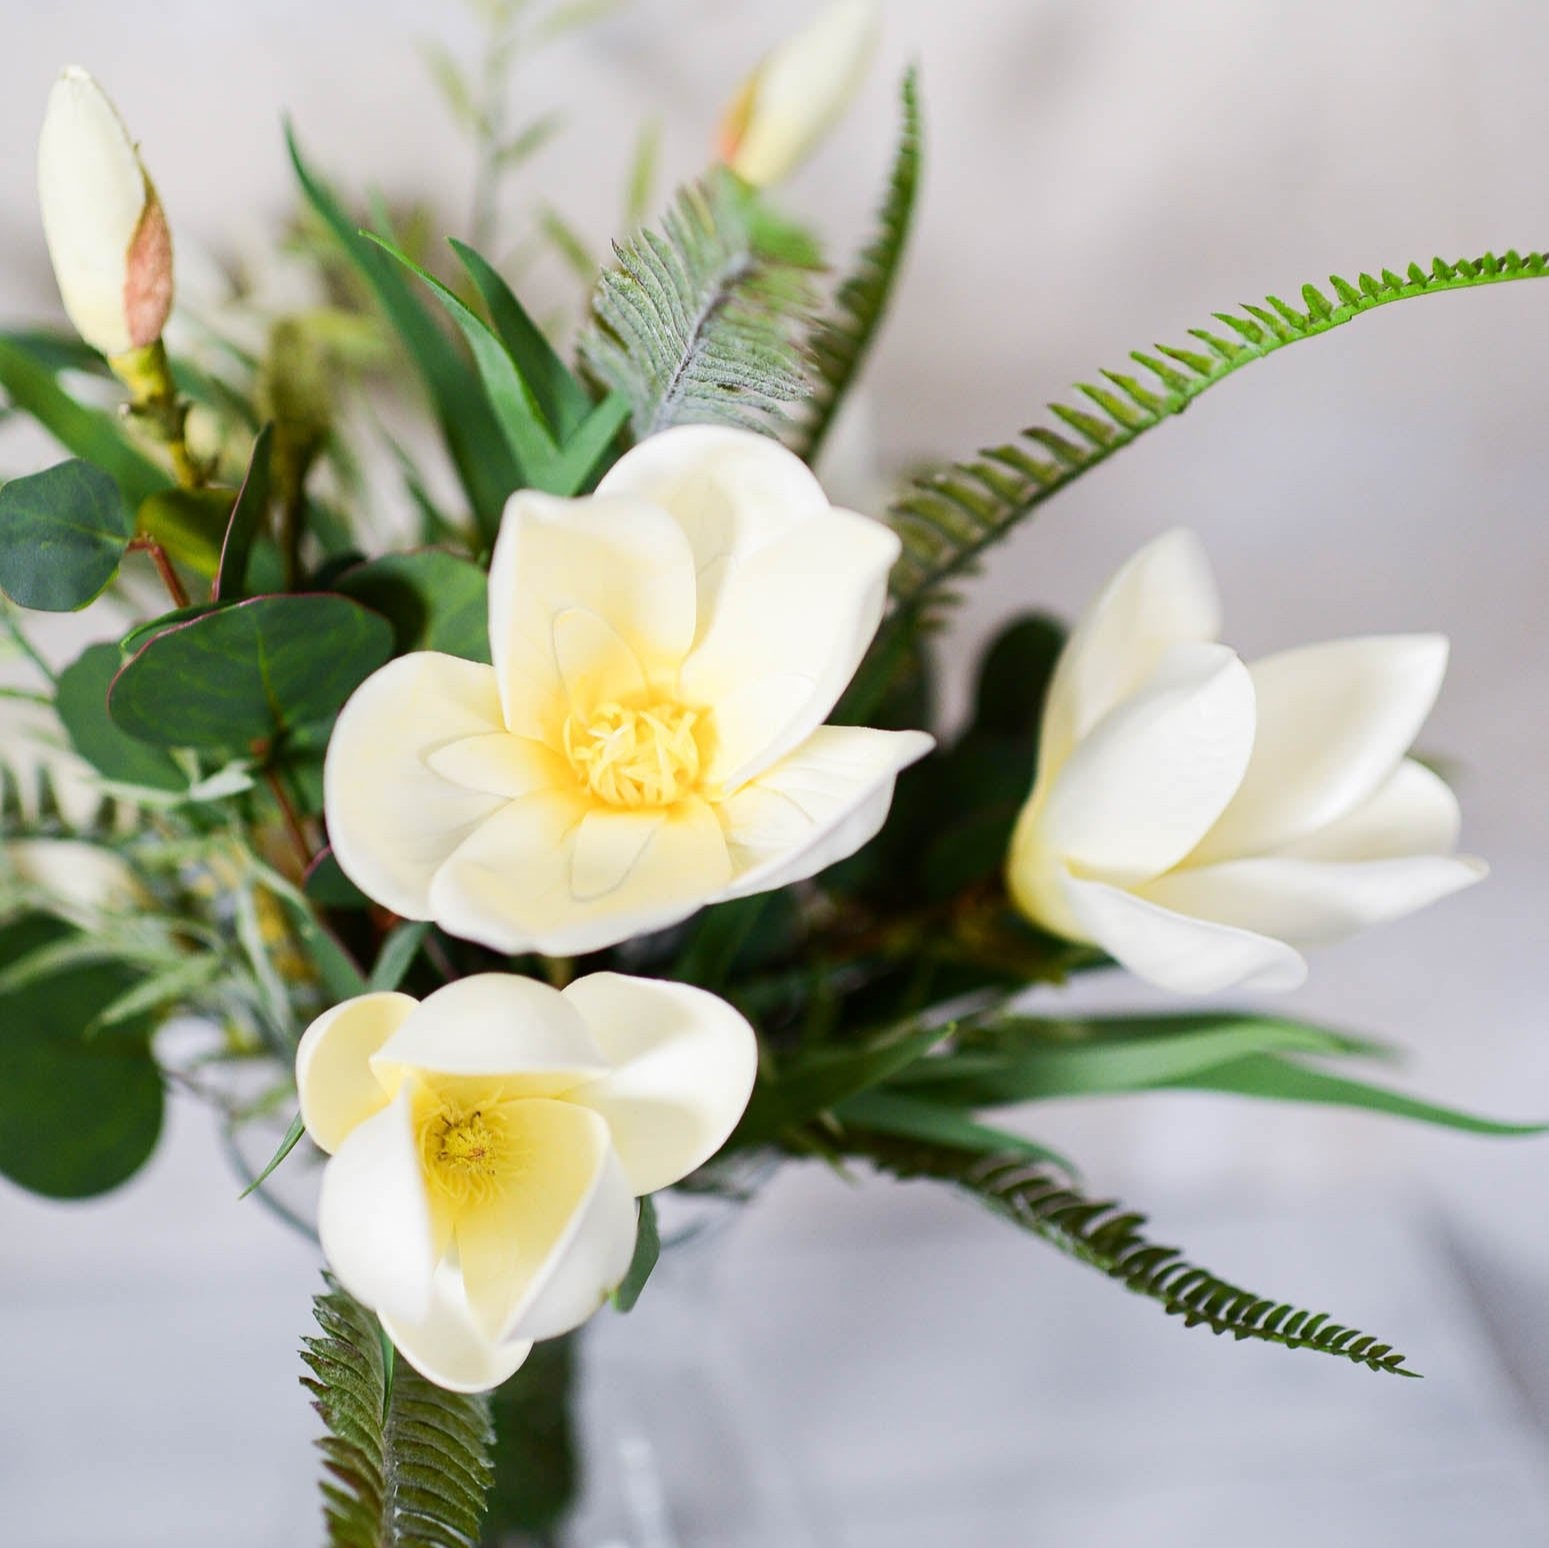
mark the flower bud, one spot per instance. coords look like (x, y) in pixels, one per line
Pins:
(799, 92)
(106, 231)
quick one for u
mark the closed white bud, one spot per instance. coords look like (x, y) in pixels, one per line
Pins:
(106, 231)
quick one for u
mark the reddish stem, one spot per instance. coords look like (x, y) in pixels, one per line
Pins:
(169, 578)
(292, 821)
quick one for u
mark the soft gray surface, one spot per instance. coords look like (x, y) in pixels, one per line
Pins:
(1102, 174)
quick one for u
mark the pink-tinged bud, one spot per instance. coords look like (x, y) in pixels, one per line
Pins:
(799, 92)
(107, 233)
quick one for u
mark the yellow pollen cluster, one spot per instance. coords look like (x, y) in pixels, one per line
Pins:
(462, 1153)
(635, 757)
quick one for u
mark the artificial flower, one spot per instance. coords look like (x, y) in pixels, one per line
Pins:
(650, 738)
(487, 1144)
(799, 91)
(106, 232)
(1202, 820)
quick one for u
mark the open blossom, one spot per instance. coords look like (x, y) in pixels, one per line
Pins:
(650, 737)
(487, 1145)
(1200, 819)
(106, 232)
(798, 92)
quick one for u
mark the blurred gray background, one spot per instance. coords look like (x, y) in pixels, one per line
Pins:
(1101, 175)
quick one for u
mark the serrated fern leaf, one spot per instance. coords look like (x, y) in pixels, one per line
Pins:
(948, 518)
(698, 322)
(408, 1464)
(1104, 1236)
(841, 343)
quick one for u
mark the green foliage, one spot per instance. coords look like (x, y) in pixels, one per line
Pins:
(648, 1248)
(81, 702)
(1107, 1238)
(408, 1464)
(288, 1142)
(243, 674)
(905, 1116)
(841, 342)
(536, 1464)
(80, 1102)
(188, 524)
(947, 519)
(397, 955)
(698, 322)
(62, 534)
(245, 522)
(433, 599)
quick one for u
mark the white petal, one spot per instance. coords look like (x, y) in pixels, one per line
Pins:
(445, 1346)
(496, 1024)
(515, 886)
(621, 561)
(373, 1216)
(816, 806)
(1413, 814)
(1148, 780)
(392, 820)
(683, 1068)
(334, 1079)
(566, 1195)
(798, 612)
(498, 763)
(1311, 902)
(1334, 721)
(1164, 596)
(1174, 951)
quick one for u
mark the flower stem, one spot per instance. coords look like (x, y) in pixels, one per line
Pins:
(169, 577)
(24, 645)
(154, 399)
(287, 808)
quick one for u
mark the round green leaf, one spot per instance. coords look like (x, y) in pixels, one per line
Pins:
(434, 600)
(244, 674)
(80, 1110)
(62, 535)
(81, 700)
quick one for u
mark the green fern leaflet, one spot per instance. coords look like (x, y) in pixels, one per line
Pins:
(948, 519)
(1099, 1234)
(408, 1464)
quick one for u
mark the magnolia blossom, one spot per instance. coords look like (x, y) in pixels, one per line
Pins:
(650, 738)
(1201, 820)
(107, 235)
(487, 1145)
(799, 91)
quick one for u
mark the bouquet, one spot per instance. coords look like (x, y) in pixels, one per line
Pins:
(596, 838)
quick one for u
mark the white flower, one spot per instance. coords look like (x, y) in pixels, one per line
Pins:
(487, 1145)
(650, 738)
(799, 91)
(106, 232)
(83, 880)
(1201, 820)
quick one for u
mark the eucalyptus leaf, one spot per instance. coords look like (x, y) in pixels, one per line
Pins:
(434, 600)
(81, 702)
(63, 533)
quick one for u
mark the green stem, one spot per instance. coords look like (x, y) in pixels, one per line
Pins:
(14, 630)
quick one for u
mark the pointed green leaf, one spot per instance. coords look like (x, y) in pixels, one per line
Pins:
(648, 1248)
(245, 523)
(287, 1144)
(397, 956)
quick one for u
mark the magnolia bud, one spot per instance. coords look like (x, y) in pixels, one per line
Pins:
(799, 91)
(106, 232)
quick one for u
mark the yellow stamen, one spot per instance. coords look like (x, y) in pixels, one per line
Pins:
(635, 757)
(464, 1152)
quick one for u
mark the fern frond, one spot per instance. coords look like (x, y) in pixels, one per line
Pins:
(948, 518)
(408, 1463)
(1102, 1235)
(698, 323)
(842, 341)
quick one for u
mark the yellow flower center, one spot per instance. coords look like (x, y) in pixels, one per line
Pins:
(464, 1152)
(635, 757)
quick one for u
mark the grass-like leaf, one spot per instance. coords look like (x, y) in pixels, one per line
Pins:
(698, 322)
(408, 1464)
(842, 341)
(947, 519)
(1104, 1236)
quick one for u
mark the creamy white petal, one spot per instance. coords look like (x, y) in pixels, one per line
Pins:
(1415, 813)
(373, 1215)
(1175, 951)
(1334, 721)
(1311, 902)
(513, 886)
(733, 492)
(334, 1078)
(545, 1201)
(1164, 596)
(815, 807)
(683, 1068)
(497, 763)
(392, 819)
(1149, 779)
(445, 1346)
(624, 562)
(496, 1024)
(803, 607)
